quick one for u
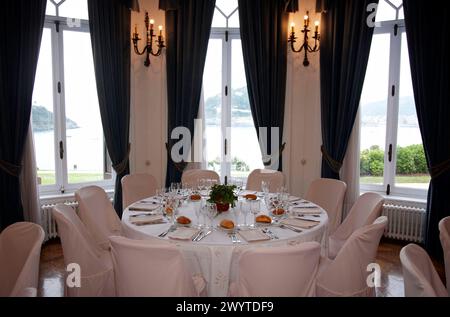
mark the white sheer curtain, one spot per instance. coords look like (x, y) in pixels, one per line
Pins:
(28, 182)
(350, 168)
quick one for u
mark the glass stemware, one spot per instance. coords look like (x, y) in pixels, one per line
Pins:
(211, 212)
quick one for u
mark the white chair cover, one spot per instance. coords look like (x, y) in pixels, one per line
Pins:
(192, 177)
(28, 292)
(136, 187)
(366, 209)
(419, 275)
(328, 194)
(20, 251)
(347, 274)
(275, 179)
(97, 278)
(98, 215)
(280, 271)
(444, 229)
(149, 268)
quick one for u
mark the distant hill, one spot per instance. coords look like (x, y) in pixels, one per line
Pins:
(374, 113)
(43, 120)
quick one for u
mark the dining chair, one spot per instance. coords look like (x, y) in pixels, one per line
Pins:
(444, 234)
(193, 177)
(136, 187)
(275, 272)
(20, 250)
(347, 274)
(98, 215)
(149, 268)
(328, 194)
(366, 209)
(275, 180)
(419, 275)
(80, 248)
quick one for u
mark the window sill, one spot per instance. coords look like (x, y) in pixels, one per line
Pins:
(404, 200)
(61, 198)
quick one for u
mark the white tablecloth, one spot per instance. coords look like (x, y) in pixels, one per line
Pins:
(216, 257)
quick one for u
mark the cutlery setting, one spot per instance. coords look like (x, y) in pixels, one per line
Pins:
(270, 233)
(202, 236)
(290, 228)
(234, 238)
(171, 229)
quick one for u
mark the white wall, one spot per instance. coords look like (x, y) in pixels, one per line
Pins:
(148, 102)
(302, 158)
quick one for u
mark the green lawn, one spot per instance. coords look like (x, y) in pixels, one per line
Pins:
(401, 179)
(48, 177)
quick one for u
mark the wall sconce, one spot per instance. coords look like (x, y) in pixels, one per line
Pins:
(305, 46)
(150, 34)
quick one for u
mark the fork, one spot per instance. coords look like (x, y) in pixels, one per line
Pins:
(270, 233)
(171, 228)
(290, 228)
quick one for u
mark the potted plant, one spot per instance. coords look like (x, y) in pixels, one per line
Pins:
(222, 196)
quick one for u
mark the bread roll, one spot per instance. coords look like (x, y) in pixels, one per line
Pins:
(183, 220)
(251, 196)
(227, 224)
(278, 211)
(196, 197)
(263, 219)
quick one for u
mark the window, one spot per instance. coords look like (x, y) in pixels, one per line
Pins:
(70, 149)
(232, 147)
(392, 155)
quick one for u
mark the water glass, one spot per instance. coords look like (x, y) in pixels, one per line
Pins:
(211, 212)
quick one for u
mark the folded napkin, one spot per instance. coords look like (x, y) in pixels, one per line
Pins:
(253, 235)
(143, 207)
(147, 220)
(183, 233)
(300, 223)
(305, 211)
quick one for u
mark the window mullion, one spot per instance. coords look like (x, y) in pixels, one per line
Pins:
(392, 112)
(61, 122)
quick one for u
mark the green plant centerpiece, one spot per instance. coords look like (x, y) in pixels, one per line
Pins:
(223, 196)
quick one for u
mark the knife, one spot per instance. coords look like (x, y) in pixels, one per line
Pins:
(203, 235)
(197, 235)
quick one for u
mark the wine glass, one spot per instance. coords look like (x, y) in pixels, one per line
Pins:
(254, 209)
(211, 212)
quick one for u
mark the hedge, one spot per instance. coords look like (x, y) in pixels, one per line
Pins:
(410, 160)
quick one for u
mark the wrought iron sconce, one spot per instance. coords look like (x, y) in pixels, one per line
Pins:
(305, 45)
(150, 34)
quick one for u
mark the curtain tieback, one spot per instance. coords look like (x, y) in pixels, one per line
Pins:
(332, 163)
(180, 166)
(11, 169)
(122, 166)
(439, 169)
(268, 161)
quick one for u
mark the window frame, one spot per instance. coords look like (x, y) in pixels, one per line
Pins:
(395, 28)
(57, 26)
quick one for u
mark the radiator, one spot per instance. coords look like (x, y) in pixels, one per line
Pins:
(48, 223)
(404, 222)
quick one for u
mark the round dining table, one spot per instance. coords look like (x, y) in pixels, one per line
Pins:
(215, 256)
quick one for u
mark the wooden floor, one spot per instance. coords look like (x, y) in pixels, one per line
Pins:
(51, 277)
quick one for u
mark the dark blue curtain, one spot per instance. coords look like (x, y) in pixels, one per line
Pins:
(188, 26)
(264, 26)
(109, 22)
(427, 30)
(21, 25)
(344, 53)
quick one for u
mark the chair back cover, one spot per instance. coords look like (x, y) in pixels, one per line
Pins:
(328, 194)
(419, 275)
(275, 179)
(275, 272)
(98, 215)
(149, 268)
(80, 248)
(192, 177)
(20, 250)
(444, 229)
(347, 274)
(136, 187)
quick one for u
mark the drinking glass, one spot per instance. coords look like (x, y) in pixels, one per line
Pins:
(237, 210)
(265, 185)
(245, 209)
(197, 209)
